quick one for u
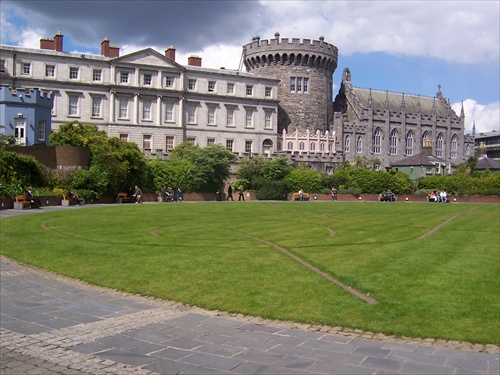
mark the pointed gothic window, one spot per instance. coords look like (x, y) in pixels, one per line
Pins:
(377, 141)
(409, 144)
(454, 146)
(393, 150)
(440, 145)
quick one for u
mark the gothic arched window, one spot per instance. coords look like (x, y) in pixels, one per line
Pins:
(440, 145)
(377, 141)
(359, 145)
(425, 137)
(302, 146)
(409, 143)
(454, 146)
(289, 146)
(347, 143)
(467, 151)
(393, 149)
(312, 147)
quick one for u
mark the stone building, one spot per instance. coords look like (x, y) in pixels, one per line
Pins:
(148, 98)
(388, 127)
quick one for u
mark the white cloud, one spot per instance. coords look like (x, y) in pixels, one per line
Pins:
(457, 31)
(485, 116)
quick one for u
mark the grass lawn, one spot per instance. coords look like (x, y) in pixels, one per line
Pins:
(219, 255)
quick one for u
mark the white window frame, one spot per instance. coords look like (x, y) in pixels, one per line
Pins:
(96, 110)
(42, 125)
(169, 142)
(97, 75)
(249, 118)
(230, 116)
(210, 142)
(147, 109)
(169, 81)
(26, 68)
(268, 92)
(124, 77)
(249, 90)
(211, 86)
(249, 146)
(191, 114)
(124, 137)
(268, 120)
(147, 139)
(192, 84)
(211, 115)
(230, 144)
(123, 109)
(169, 112)
(147, 79)
(74, 72)
(50, 70)
(230, 88)
(73, 105)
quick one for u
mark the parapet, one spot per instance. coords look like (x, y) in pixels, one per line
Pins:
(296, 44)
(26, 96)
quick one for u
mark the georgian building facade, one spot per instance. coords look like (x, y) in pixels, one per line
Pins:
(148, 98)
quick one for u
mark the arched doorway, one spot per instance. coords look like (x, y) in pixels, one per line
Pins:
(267, 147)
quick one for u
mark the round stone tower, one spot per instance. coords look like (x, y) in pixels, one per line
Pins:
(305, 69)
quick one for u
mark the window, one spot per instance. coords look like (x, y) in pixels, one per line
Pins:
(148, 79)
(192, 141)
(454, 146)
(268, 124)
(299, 84)
(330, 147)
(302, 146)
(96, 106)
(322, 147)
(409, 144)
(210, 142)
(359, 145)
(146, 142)
(73, 72)
(440, 145)
(41, 130)
(467, 151)
(230, 117)
(377, 141)
(123, 77)
(73, 101)
(347, 143)
(26, 68)
(169, 81)
(312, 146)
(97, 75)
(249, 118)
(169, 112)
(211, 86)
(289, 146)
(192, 84)
(123, 109)
(146, 110)
(19, 131)
(230, 88)
(123, 137)
(211, 115)
(50, 70)
(249, 90)
(169, 142)
(268, 92)
(248, 146)
(229, 144)
(393, 149)
(2, 66)
(191, 114)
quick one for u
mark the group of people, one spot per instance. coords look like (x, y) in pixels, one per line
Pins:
(438, 196)
(229, 195)
(36, 203)
(387, 196)
(169, 194)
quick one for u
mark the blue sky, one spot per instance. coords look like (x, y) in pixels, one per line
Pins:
(401, 46)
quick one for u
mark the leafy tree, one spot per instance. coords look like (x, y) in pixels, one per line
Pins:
(90, 183)
(249, 169)
(19, 170)
(468, 167)
(173, 173)
(7, 140)
(306, 179)
(76, 134)
(275, 169)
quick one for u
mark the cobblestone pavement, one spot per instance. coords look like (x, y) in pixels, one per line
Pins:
(51, 324)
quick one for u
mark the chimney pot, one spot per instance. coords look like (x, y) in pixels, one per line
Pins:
(170, 53)
(194, 60)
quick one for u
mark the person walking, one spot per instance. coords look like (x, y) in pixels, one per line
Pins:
(138, 194)
(241, 196)
(230, 193)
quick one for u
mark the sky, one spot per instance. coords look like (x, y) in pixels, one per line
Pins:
(400, 46)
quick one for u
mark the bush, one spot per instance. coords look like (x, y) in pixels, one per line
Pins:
(266, 189)
(305, 179)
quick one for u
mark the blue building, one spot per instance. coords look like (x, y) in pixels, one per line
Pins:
(26, 114)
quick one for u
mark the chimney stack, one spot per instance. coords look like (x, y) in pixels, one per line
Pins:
(427, 148)
(108, 50)
(55, 44)
(170, 53)
(194, 60)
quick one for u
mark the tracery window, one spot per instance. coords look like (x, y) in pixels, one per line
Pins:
(454, 146)
(393, 149)
(347, 143)
(409, 143)
(359, 145)
(377, 141)
(440, 145)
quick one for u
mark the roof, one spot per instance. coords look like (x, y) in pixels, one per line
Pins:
(488, 163)
(412, 103)
(418, 160)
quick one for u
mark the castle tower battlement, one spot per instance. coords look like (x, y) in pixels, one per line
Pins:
(32, 96)
(305, 68)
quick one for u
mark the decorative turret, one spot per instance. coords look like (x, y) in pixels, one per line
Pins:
(305, 68)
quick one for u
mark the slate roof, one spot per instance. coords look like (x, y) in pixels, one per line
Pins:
(418, 160)
(411, 102)
(488, 163)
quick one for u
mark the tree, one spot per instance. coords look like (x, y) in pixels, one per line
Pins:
(76, 134)
(250, 169)
(7, 140)
(275, 169)
(305, 179)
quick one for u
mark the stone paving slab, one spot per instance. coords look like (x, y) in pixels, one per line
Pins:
(50, 324)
